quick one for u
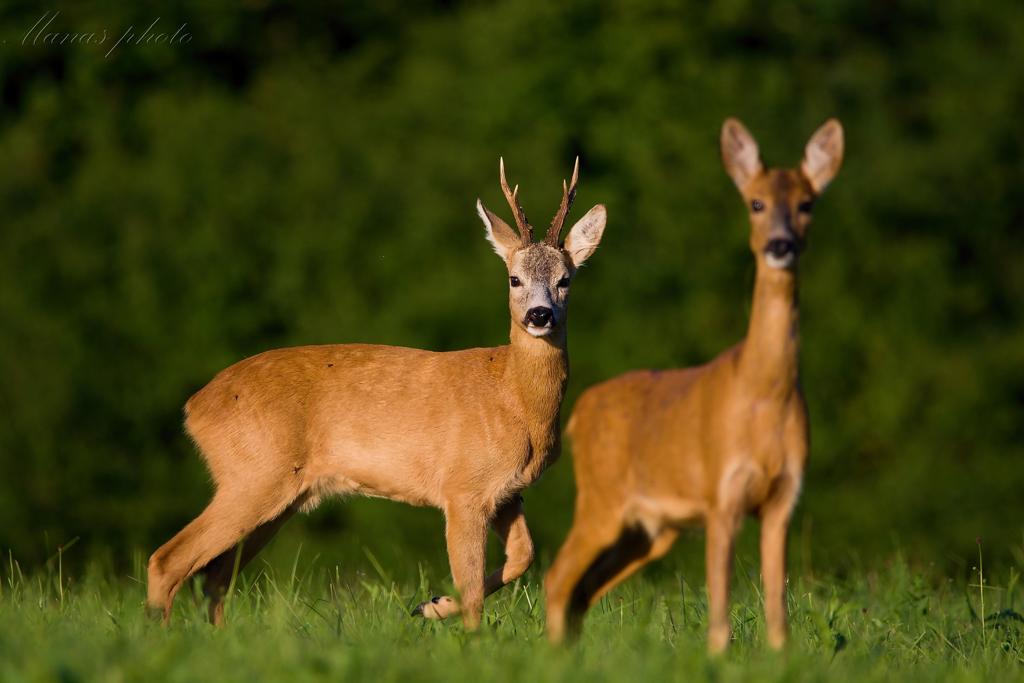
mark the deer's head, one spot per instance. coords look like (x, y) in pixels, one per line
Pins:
(780, 200)
(540, 272)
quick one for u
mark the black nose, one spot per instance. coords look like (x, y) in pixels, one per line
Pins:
(539, 316)
(780, 247)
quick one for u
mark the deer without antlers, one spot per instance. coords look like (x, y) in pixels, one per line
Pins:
(655, 451)
(464, 431)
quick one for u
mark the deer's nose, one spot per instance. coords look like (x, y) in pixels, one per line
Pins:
(780, 248)
(539, 316)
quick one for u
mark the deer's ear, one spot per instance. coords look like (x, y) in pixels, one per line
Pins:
(823, 155)
(584, 237)
(501, 236)
(740, 155)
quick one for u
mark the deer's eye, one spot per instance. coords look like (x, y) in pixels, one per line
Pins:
(514, 281)
(564, 282)
(805, 207)
(756, 205)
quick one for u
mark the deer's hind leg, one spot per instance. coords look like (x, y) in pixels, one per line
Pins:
(586, 543)
(230, 516)
(633, 551)
(219, 572)
(609, 565)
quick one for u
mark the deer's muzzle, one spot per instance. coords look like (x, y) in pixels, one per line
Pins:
(781, 252)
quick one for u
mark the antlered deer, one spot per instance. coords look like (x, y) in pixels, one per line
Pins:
(655, 451)
(464, 431)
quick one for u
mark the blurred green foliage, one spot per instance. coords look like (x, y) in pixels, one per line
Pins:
(306, 174)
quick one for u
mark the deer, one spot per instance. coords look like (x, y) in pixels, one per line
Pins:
(463, 431)
(657, 451)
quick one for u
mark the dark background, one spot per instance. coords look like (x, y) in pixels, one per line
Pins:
(301, 173)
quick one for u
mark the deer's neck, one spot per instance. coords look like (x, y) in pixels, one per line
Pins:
(537, 372)
(768, 363)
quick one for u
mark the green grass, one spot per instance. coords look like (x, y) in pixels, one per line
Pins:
(313, 622)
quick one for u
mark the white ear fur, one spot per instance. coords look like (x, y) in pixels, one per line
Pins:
(584, 237)
(740, 154)
(502, 238)
(823, 155)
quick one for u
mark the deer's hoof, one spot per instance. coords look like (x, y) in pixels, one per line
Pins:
(438, 607)
(157, 614)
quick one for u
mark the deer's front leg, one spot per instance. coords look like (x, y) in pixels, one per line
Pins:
(775, 517)
(774, 525)
(721, 533)
(466, 534)
(510, 525)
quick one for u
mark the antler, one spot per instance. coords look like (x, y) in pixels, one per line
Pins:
(568, 194)
(525, 229)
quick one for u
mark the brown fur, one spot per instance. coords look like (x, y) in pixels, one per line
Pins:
(657, 450)
(464, 431)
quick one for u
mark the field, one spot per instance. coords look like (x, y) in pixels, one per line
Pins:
(315, 622)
